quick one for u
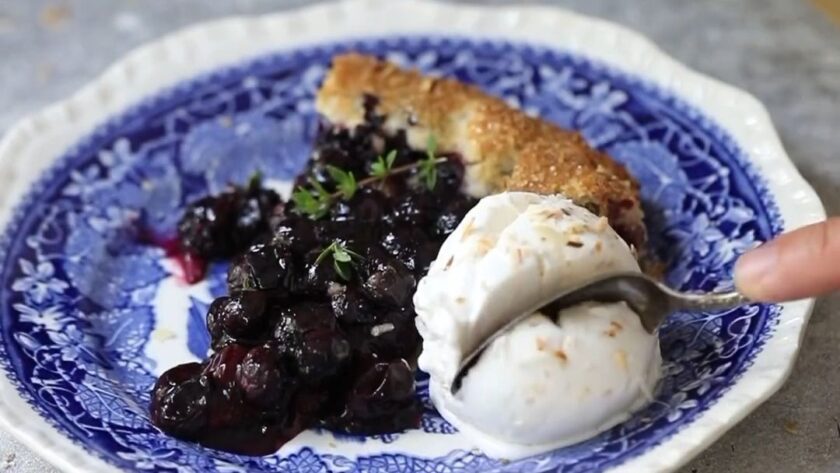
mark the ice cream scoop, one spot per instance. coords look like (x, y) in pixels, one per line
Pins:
(555, 378)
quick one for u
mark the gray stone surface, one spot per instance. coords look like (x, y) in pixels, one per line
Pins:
(783, 51)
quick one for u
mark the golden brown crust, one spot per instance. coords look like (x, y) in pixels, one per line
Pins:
(504, 148)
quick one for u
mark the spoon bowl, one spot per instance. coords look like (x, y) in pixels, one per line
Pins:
(650, 299)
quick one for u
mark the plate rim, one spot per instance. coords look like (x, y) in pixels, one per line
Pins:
(39, 139)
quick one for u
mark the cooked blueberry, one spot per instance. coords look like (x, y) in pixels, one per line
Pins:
(392, 381)
(263, 266)
(322, 353)
(446, 224)
(318, 171)
(349, 304)
(228, 413)
(334, 156)
(368, 205)
(341, 211)
(244, 313)
(411, 246)
(344, 148)
(253, 217)
(249, 220)
(240, 275)
(294, 321)
(393, 335)
(413, 209)
(352, 234)
(424, 255)
(221, 367)
(450, 175)
(451, 216)
(369, 104)
(204, 229)
(276, 217)
(308, 333)
(263, 378)
(173, 377)
(296, 233)
(316, 276)
(382, 400)
(386, 279)
(268, 200)
(215, 318)
(179, 400)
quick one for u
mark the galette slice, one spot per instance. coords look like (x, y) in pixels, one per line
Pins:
(502, 147)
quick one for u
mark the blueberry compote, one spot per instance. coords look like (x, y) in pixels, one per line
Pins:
(222, 226)
(318, 327)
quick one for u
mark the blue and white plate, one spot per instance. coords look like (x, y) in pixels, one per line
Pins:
(90, 316)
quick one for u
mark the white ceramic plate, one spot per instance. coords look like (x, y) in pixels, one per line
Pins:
(713, 172)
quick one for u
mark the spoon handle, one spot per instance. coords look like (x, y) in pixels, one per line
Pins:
(707, 302)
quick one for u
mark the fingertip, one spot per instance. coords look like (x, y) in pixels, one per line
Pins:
(752, 271)
(798, 264)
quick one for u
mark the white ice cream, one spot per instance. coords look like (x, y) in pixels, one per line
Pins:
(544, 384)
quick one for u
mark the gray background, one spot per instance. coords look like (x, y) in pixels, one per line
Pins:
(784, 51)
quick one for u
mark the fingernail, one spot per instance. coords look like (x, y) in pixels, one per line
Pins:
(752, 269)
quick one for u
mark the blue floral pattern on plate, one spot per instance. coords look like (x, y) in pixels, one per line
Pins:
(89, 314)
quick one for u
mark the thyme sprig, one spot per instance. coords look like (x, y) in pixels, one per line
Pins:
(381, 168)
(345, 181)
(428, 165)
(316, 201)
(344, 259)
(313, 202)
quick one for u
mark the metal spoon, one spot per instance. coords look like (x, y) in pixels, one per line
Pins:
(651, 300)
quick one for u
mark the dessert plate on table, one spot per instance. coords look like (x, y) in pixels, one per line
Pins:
(90, 315)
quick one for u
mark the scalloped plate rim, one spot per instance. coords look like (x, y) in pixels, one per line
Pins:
(137, 75)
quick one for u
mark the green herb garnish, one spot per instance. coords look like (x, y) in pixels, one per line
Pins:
(315, 201)
(343, 258)
(345, 181)
(255, 181)
(381, 168)
(428, 166)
